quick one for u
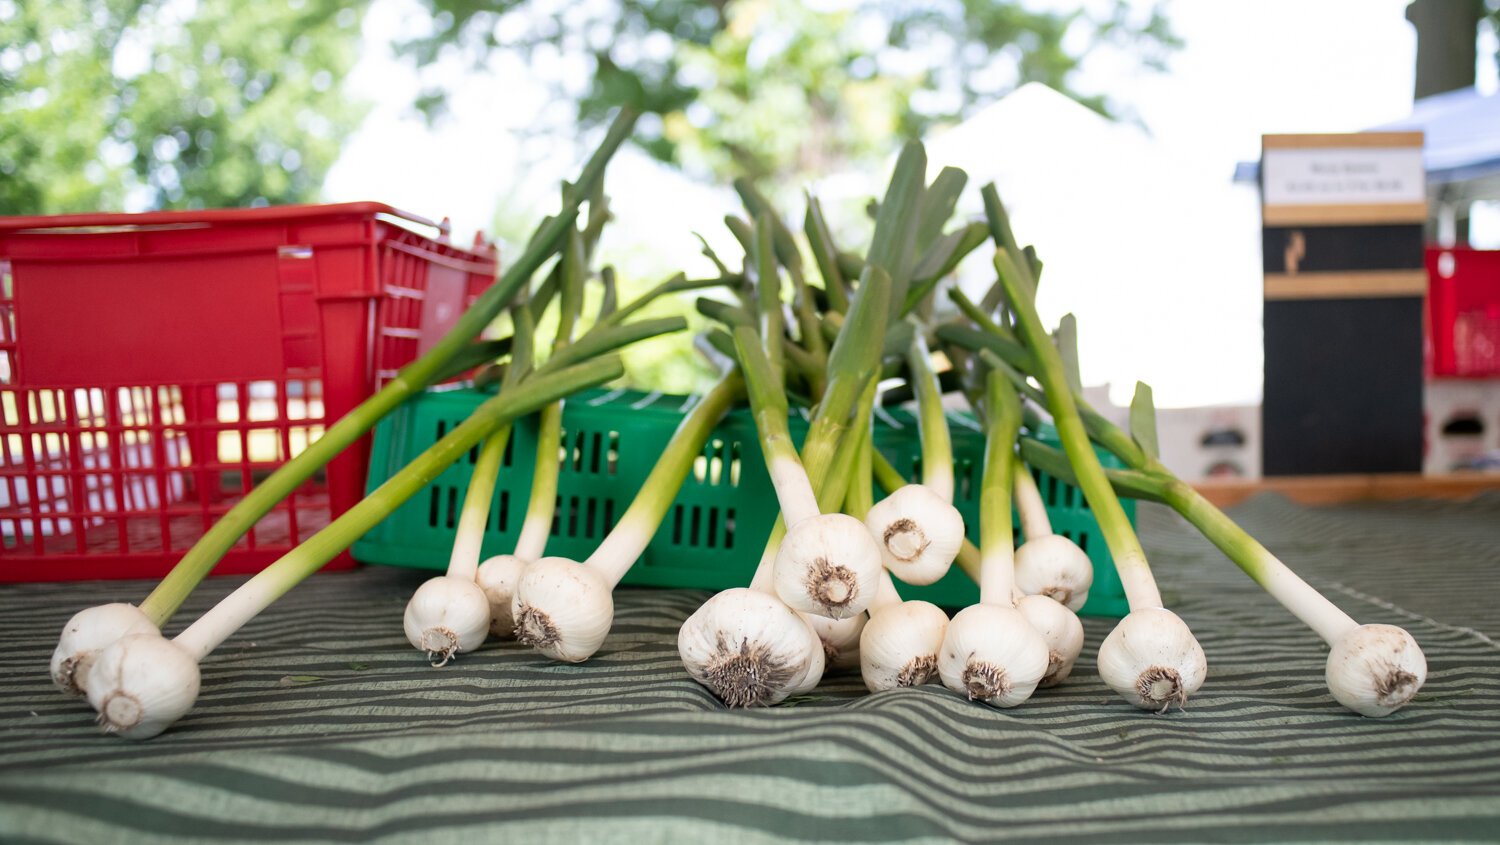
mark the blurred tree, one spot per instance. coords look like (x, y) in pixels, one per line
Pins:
(106, 104)
(779, 87)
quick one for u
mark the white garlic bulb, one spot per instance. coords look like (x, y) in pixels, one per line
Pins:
(1052, 565)
(89, 631)
(141, 685)
(563, 609)
(900, 644)
(1152, 659)
(1061, 630)
(992, 654)
(750, 649)
(840, 638)
(1375, 669)
(827, 565)
(498, 577)
(919, 533)
(447, 615)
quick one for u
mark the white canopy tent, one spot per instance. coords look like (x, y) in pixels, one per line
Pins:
(1161, 265)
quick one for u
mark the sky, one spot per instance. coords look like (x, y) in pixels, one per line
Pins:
(1276, 66)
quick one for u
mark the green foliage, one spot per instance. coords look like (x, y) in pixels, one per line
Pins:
(780, 88)
(161, 104)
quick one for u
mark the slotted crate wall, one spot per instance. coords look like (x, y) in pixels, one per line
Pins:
(714, 533)
(154, 367)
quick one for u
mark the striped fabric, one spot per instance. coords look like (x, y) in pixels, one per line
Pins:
(319, 722)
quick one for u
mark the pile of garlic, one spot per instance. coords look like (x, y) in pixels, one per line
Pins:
(825, 594)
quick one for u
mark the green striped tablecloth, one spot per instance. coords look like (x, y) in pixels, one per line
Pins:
(319, 722)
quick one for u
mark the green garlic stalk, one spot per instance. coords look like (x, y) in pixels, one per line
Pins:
(93, 629)
(918, 528)
(565, 609)
(1151, 658)
(991, 652)
(143, 683)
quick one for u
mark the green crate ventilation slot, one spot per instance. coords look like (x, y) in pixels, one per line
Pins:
(714, 533)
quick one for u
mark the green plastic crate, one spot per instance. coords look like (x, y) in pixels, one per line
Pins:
(713, 536)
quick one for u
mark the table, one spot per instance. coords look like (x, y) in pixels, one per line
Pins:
(319, 722)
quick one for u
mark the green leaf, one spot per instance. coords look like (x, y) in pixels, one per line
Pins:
(1143, 420)
(1067, 347)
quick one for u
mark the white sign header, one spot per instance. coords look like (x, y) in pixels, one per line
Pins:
(1343, 176)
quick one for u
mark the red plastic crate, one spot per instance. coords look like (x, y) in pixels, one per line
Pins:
(153, 367)
(1463, 312)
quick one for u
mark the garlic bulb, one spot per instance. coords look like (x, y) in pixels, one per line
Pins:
(1375, 669)
(900, 644)
(1052, 565)
(992, 654)
(1061, 630)
(498, 577)
(142, 684)
(447, 615)
(89, 631)
(919, 533)
(750, 649)
(840, 638)
(563, 609)
(1152, 659)
(827, 565)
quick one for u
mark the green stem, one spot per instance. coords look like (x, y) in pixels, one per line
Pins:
(1035, 523)
(229, 615)
(469, 538)
(826, 255)
(630, 536)
(932, 421)
(896, 224)
(794, 491)
(1106, 433)
(772, 324)
(542, 502)
(832, 488)
(997, 548)
(677, 284)
(1304, 602)
(1124, 546)
(411, 379)
(861, 495)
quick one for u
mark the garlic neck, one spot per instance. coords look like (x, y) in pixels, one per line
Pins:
(1029, 504)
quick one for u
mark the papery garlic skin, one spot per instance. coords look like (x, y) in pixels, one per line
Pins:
(1060, 629)
(1152, 660)
(900, 644)
(919, 533)
(992, 654)
(1052, 565)
(750, 649)
(563, 609)
(498, 577)
(141, 685)
(86, 634)
(827, 565)
(840, 638)
(446, 615)
(1374, 670)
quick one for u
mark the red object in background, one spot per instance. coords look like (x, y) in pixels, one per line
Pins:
(153, 367)
(1463, 312)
